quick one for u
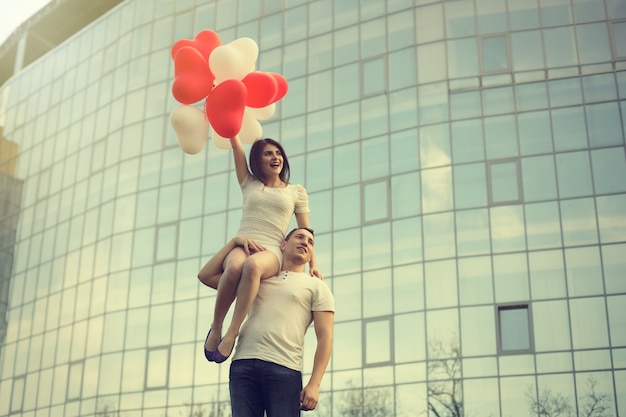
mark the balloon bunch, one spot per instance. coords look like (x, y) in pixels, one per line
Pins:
(236, 96)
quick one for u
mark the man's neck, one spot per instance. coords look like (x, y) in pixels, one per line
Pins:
(292, 267)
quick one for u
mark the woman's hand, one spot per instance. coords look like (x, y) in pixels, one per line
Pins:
(249, 245)
(315, 272)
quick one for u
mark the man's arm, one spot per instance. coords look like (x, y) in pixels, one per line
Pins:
(323, 322)
(211, 272)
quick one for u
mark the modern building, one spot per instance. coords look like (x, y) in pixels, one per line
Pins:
(466, 168)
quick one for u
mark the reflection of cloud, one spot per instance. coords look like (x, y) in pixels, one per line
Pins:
(437, 189)
(507, 223)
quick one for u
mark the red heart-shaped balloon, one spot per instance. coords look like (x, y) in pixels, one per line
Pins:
(204, 42)
(193, 79)
(281, 86)
(261, 89)
(224, 107)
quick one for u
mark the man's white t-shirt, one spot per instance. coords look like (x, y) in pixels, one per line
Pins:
(280, 316)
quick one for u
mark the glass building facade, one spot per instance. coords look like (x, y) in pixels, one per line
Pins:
(465, 162)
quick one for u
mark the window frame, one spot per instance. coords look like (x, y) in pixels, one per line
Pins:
(514, 306)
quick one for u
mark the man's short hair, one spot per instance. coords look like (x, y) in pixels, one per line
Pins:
(299, 228)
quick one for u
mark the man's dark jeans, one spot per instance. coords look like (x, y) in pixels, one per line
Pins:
(257, 386)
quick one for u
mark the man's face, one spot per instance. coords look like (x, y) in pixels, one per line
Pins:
(299, 247)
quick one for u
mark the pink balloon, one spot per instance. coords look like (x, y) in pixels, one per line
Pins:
(225, 106)
(281, 86)
(193, 79)
(204, 42)
(261, 89)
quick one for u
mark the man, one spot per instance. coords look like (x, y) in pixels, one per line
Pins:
(265, 374)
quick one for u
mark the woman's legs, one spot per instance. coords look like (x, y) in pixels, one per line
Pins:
(261, 265)
(226, 291)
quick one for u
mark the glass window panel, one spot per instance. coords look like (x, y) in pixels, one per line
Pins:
(374, 76)
(121, 251)
(442, 327)
(531, 96)
(346, 46)
(462, 57)
(373, 37)
(566, 92)
(134, 370)
(465, 105)
(437, 189)
(584, 272)
(614, 266)
(507, 229)
(318, 170)
(617, 321)
(523, 15)
(376, 246)
(403, 107)
(294, 60)
(504, 182)
(593, 43)
(491, 16)
(433, 106)
(377, 293)
(157, 368)
(587, 11)
(347, 83)
(295, 22)
(514, 401)
(346, 123)
(408, 288)
(347, 346)
(470, 186)
(526, 51)
(609, 170)
(501, 137)
(400, 30)
(407, 241)
(319, 126)
(346, 164)
(543, 226)
(467, 141)
(473, 321)
(110, 374)
(472, 232)
(510, 278)
(438, 230)
(410, 337)
(538, 177)
(377, 342)
(402, 70)
(297, 87)
(405, 192)
(556, 12)
(431, 58)
(498, 100)
(374, 116)
(611, 218)
(347, 292)
(318, 98)
(603, 122)
(573, 174)
(599, 88)
(619, 32)
(159, 327)
(441, 284)
(495, 54)
(429, 23)
(460, 18)
(579, 222)
(376, 206)
(347, 207)
(375, 158)
(347, 252)
(559, 47)
(514, 329)
(547, 274)
(589, 325)
(434, 146)
(475, 280)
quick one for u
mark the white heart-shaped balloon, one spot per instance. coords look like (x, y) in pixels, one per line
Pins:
(191, 127)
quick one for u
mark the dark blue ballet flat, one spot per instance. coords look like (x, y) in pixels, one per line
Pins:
(217, 355)
(208, 354)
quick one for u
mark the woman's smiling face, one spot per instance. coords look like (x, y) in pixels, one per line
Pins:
(272, 160)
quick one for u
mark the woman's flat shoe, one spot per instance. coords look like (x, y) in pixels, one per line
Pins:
(208, 354)
(218, 357)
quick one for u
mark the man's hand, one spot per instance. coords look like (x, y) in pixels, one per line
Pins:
(249, 245)
(309, 397)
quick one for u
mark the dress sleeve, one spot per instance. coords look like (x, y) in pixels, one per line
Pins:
(302, 200)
